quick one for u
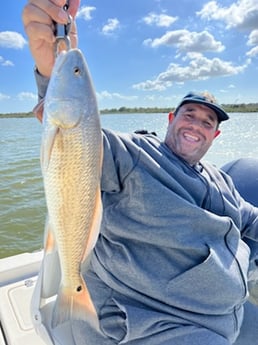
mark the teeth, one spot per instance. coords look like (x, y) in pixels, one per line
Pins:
(191, 137)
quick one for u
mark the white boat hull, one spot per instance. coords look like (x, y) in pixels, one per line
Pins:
(18, 275)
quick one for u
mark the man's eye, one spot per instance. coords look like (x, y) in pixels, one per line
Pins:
(208, 124)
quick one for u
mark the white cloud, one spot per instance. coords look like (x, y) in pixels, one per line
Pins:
(3, 96)
(104, 95)
(161, 20)
(153, 85)
(242, 13)
(12, 39)
(111, 26)
(253, 52)
(5, 63)
(85, 12)
(23, 96)
(115, 95)
(253, 38)
(185, 40)
(123, 97)
(199, 68)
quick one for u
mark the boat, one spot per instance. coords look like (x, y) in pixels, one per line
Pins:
(19, 273)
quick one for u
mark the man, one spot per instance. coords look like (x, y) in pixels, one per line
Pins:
(170, 265)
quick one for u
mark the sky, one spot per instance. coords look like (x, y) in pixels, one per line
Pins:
(145, 53)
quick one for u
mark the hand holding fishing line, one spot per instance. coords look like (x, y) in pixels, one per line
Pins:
(41, 19)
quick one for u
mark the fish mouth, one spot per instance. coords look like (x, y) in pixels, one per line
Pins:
(60, 60)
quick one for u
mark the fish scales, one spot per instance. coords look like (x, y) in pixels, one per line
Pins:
(71, 158)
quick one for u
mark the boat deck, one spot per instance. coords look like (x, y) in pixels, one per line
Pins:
(18, 275)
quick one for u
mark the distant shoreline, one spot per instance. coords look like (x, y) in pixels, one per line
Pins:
(229, 108)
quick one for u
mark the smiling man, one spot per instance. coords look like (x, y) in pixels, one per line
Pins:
(193, 126)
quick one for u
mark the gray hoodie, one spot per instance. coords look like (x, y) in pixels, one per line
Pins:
(170, 252)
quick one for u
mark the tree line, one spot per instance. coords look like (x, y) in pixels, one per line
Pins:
(230, 108)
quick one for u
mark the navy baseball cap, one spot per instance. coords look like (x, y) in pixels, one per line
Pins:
(205, 99)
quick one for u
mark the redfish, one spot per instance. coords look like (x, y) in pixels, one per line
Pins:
(71, 160)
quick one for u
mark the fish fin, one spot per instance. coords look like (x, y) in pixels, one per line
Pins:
(38, 110)
(76, 305)
(49, 238)
(51, 275)
(46, 147)
(83, 307)
(62, 308)
(94, 232)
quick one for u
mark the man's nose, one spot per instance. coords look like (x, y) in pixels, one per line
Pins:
(196, 123)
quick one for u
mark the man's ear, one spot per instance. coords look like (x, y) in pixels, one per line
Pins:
(171, 116)
(217, 133)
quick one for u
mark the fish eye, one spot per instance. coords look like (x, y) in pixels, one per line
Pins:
(77, 71)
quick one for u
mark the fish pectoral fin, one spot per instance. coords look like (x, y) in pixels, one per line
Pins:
(46, 147)
(76, 305)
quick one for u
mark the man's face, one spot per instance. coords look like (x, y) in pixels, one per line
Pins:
(190, 133)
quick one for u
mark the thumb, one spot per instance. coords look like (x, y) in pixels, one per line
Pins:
(73, 7)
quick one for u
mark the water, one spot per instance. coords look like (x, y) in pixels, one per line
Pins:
(22, 204)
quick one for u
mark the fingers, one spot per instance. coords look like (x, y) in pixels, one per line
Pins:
(44, 9)
(73, 7)
(38, 22)
(39, 26)
(54, 9)
(39, 18)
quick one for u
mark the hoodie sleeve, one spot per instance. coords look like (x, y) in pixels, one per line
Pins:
(120, 158)
(42, 84)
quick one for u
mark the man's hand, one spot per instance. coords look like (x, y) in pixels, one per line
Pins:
(38, 20)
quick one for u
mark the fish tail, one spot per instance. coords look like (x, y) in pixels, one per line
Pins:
(77, 305)
(83, 307)
(63, 307)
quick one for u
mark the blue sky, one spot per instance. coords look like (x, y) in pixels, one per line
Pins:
(146, 52)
